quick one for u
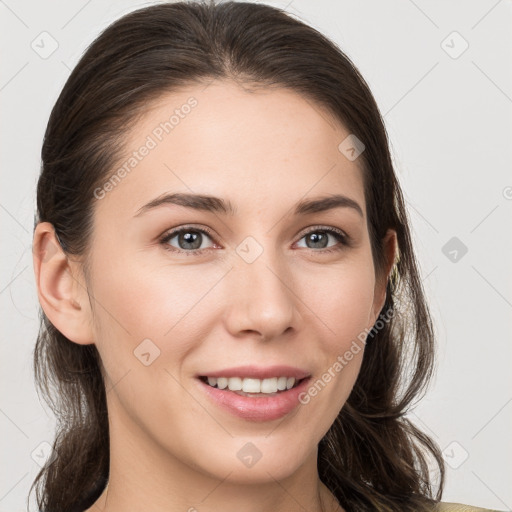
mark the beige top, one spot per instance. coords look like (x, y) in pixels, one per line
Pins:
(459, 507)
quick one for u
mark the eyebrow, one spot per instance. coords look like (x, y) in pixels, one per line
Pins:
(218, 205)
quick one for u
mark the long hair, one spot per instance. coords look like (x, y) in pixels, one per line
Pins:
(372, 457)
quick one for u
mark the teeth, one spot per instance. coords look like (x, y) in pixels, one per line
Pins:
(235, 384)
(251, 386)
(222, 383)
(248, 385)
(281, 383)
(269, 385)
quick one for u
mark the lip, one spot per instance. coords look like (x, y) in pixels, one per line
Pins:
(255, 408)
(259, 372)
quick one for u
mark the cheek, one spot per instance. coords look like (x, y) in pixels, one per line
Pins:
(152, 299)
(140, 298)
(134, 303)
(341, 299)
(171, 305)
(340, 304)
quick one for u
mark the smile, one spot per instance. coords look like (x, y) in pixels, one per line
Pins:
(246, 386)
(254, 393)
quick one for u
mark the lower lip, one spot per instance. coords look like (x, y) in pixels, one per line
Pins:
(256, 409)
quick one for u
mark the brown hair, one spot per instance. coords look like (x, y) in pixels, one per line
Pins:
(372, 457)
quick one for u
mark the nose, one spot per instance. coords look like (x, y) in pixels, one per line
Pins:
(261, 298)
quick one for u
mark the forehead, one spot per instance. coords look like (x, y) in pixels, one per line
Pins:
(256, 147)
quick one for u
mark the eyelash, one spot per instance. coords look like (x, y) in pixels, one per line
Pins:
(337, 233)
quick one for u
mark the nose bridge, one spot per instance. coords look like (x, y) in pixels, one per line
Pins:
(262, 297)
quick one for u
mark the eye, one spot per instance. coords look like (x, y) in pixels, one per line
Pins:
(318, 238)
(188, 239)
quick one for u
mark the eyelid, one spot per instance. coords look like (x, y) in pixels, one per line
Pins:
(321, 227)
(163, 239)
(344, 239)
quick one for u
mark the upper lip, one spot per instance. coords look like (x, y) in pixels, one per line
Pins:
(259, 372)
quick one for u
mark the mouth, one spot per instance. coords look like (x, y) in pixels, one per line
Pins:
(252, 387)
(255, 399)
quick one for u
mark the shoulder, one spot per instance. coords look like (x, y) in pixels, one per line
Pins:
(459, 507)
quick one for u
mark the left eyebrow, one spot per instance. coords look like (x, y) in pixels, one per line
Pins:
(218, 205)
(327, 203)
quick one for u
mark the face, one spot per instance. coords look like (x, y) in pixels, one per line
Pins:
(180, 293)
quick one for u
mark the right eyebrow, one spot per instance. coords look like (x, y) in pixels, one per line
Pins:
(195, 201)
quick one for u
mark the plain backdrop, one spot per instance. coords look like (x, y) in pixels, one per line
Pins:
(440, 72)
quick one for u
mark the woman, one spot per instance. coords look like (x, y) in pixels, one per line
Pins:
(233, 317)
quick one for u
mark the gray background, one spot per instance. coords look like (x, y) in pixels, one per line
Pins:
(447, 111)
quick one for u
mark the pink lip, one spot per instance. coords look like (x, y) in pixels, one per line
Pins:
(255, 408)
(259, 372)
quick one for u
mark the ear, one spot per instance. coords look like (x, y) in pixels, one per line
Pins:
(61, 288)
(390, 246)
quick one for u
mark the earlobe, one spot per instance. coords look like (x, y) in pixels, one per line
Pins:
(62, 296)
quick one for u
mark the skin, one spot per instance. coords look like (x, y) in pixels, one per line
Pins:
(171, 448)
